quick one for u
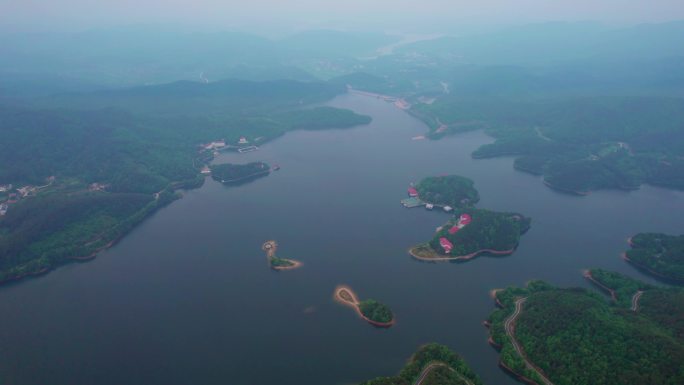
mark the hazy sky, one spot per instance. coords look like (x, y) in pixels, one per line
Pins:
(383, 14)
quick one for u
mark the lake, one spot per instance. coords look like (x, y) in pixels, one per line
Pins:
(188, 298)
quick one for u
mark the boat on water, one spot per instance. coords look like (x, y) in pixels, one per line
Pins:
(276, 167)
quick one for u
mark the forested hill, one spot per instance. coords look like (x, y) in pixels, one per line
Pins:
(578, 336)
(579, 144)
(197, 98)
(76, 179)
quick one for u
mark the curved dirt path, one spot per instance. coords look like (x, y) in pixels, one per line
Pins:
(435, 365)
(635, 300)
(466, 257)
(509, 325)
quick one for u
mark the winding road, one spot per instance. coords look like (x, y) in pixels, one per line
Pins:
(435, 365)
(635, 300)
(509, 326)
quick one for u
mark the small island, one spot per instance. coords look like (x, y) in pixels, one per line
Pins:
(229, 173)
(473, 232)
(567, 336)
(658, 254)
(432, 364)
(374, 312)
(276, 263)
(448, 190)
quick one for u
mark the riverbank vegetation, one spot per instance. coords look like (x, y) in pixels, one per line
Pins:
(443, 366)
(40, 233)
(376, 311)
(577, 336)
(660, 254)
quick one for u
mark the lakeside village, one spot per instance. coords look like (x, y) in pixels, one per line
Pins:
(464, 219)
(10, 195)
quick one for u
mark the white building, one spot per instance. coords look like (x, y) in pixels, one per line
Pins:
(215, 145)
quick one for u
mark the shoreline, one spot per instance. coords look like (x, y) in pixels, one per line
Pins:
(354, 303)
(655, 274)
(587, 275)
(295, 265)
(466, 257)
(499, 347)
(270, 247)
(565, 190)
(649, 270)
(82, 258)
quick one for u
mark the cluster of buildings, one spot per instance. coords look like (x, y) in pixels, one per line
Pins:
(463, 221)
(97, 187)
(221, 144)
(216, 145)
(13, 195)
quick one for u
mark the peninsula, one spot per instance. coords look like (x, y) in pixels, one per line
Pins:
(658, 254)
(276, 263)
(374, 312)
(563, 336)
(432, 364)
(229, 173)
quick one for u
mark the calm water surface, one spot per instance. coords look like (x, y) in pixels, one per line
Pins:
(187, 297)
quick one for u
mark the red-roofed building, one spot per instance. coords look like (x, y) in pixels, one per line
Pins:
(454, 229)
(464, 219)
(412, 192)
(446, 245)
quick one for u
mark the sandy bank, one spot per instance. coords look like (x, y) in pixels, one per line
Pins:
(346, 296)
(435, 257)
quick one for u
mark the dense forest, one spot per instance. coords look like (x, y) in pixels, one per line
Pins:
(448, 369)
(660, 254)
(103, 161)
(235, 173)
(450, 190)
(42, 232)
(376, 311)
(576, 336)
(280, 262)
